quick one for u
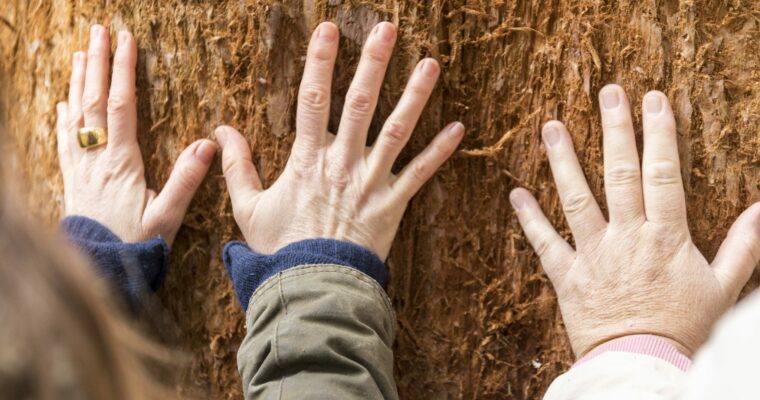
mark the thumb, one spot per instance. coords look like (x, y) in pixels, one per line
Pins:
(243, 181)
(740, 252)
(170, 206)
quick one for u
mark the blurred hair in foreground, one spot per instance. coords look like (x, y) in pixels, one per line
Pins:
(61, 334)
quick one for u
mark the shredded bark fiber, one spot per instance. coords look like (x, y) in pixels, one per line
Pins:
(477, 317)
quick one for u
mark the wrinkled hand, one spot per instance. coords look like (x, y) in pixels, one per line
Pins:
(333, 186)
(107, 183)
(639, 273)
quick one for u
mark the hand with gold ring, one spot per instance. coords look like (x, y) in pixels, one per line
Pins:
(101, 163)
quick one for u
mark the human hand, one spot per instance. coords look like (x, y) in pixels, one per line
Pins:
(333, 186)
(639, 273)
(107, 183)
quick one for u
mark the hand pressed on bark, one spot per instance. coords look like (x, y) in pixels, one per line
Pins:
(639, 273)
(333, 186)
(107, 183)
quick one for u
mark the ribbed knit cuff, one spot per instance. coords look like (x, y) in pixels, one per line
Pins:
(650, 345)
(248, 270)
(134, 268)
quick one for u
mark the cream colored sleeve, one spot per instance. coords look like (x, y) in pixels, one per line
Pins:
(726, 367)
(621, 376)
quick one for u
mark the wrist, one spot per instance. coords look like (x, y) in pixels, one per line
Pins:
(249, 270)
(134, 268)
(658, 346)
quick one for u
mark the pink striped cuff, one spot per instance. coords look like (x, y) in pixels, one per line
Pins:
(649, 345)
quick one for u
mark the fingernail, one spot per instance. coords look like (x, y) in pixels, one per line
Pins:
(430, 67)
(610, 97)
(206, 151)
(122, 38)
(221, 135)
(95, 30)
(517, 199)
(653, 103)
(386, 31)
(456, 129)
(551, 135)
(78, 58)
(327, 32)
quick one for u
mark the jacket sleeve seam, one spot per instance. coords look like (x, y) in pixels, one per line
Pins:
(305, 270)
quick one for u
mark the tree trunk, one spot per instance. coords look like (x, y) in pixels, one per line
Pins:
(477, 317)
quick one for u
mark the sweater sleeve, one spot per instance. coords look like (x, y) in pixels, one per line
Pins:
(248, 270)
(133, 268)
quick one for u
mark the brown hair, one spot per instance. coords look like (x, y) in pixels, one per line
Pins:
(61, 334)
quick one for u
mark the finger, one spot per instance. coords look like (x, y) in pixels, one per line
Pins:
(622, 176)
(361, 98)
(65, 139)
(122, 108)
(581, 210)
(555, 253)
(664, 199)
(94, 97)
(169, 207)
(422, 167)
(63, 136)
(313, 110)
(740, 252)
(397, 129)
(242, 179)
(74, 109)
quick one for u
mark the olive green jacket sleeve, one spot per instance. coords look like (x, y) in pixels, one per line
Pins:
(317, 332)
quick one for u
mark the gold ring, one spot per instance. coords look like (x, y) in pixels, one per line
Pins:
(92, 137)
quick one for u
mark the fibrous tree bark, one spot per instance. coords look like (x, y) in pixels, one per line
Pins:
(477, 317)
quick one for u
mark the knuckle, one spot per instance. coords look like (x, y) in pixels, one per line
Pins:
(575, 203)
(313, 98)
(420, 171)
(231, 166)
(395, 132)
(418, 90)
(187, 178)
(376, 55)
(622, 174)
(750, 247)
(358, 102)
(537, 240)
(119, 104)
(77, 79)
(664, 127)
(338, 175)
(301, 163)
(96, 54)
(616, 121)
(442, 149)
(93, 103)
(662, 173)
(75, 122)
(542, 246)
(321, 54)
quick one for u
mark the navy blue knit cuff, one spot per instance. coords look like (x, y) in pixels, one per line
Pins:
(135, 268)
(248, 270)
